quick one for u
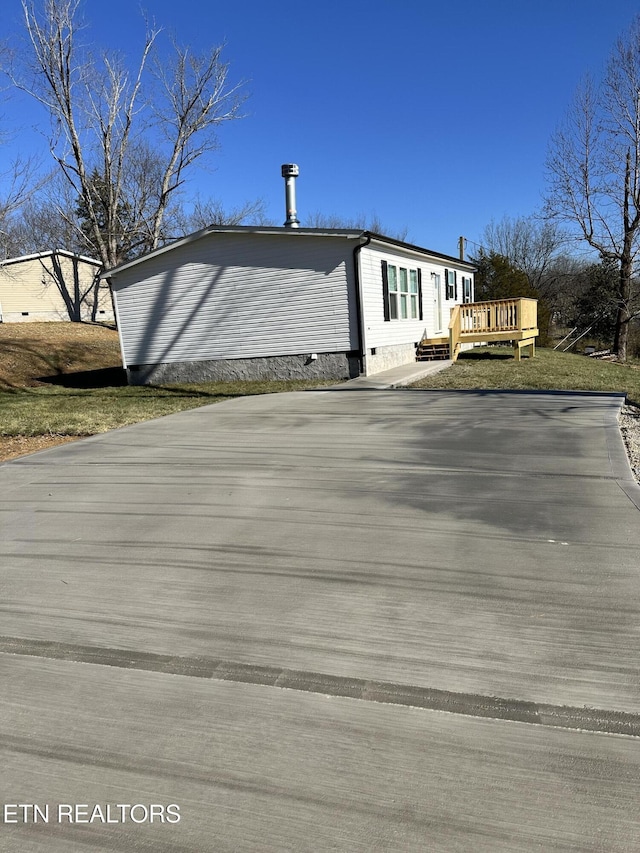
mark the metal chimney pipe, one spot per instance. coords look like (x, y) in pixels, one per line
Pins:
(290, 172)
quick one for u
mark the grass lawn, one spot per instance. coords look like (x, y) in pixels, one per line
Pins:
(76, 412)
(495, 367)
(60, 381)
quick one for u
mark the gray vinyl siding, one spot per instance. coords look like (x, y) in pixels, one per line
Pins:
(238, 296)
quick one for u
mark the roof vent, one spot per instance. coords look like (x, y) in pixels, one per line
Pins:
(290, 172)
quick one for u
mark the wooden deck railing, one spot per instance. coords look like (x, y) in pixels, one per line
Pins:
(499, 320)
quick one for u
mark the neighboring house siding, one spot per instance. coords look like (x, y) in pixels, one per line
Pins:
(394, 340)
(29, 290)
(235, 296)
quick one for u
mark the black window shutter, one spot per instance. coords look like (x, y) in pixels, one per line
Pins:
(420, 293)
(447, 294)
(385, 291)
(455, 285)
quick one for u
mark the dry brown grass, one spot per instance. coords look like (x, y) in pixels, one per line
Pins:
(13, 446)
(32, 352)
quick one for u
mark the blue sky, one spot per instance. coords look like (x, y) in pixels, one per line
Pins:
(435, 118)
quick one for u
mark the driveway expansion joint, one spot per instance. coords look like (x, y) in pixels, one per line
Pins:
(389, 693)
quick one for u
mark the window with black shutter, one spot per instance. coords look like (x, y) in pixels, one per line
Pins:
(385, 291)
(401, 292)
(451, 284)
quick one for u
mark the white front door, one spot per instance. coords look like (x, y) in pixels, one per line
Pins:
(437, 302)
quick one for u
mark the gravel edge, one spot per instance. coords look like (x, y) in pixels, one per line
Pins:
(629, 422)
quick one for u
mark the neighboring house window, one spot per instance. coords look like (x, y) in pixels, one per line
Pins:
(402, 292)
(451, 284)
(466, 289)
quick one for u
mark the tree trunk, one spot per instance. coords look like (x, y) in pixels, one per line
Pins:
(623, 315)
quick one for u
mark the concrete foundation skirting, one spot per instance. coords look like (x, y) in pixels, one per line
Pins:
(54, 317)
(327, 365)
(387, 357)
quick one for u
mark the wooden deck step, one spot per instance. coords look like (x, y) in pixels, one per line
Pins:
(428, 351)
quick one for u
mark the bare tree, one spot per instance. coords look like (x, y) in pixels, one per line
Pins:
(196, 98)
(594, 172)
(17, 184)
(123, 146)
(213, 212)
(362, 221)
(537, 247)
(19, 180)
(530, 243)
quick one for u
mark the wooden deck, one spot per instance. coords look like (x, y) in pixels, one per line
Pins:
(514, 320)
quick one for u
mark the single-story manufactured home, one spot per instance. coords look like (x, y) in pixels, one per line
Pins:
(257, 302)
(53, 285)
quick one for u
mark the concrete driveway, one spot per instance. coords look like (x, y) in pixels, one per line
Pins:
(334, 620)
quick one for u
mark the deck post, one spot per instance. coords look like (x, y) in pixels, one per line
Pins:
(528, 344)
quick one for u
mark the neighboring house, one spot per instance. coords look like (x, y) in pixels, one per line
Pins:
(55, 285)
(245, 302)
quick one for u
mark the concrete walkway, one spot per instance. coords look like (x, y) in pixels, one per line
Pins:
(261, 611)
(396, 377)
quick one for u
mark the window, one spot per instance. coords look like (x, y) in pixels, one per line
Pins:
(451, 284)
(393, 293)
(413, 290)
(402, 292)
(466, 289)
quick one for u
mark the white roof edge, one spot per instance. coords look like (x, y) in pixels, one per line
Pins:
(48, 254)
(381, 239)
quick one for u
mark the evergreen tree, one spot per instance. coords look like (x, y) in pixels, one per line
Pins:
(597, 307)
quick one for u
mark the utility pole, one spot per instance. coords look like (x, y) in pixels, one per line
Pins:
(462, 243)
